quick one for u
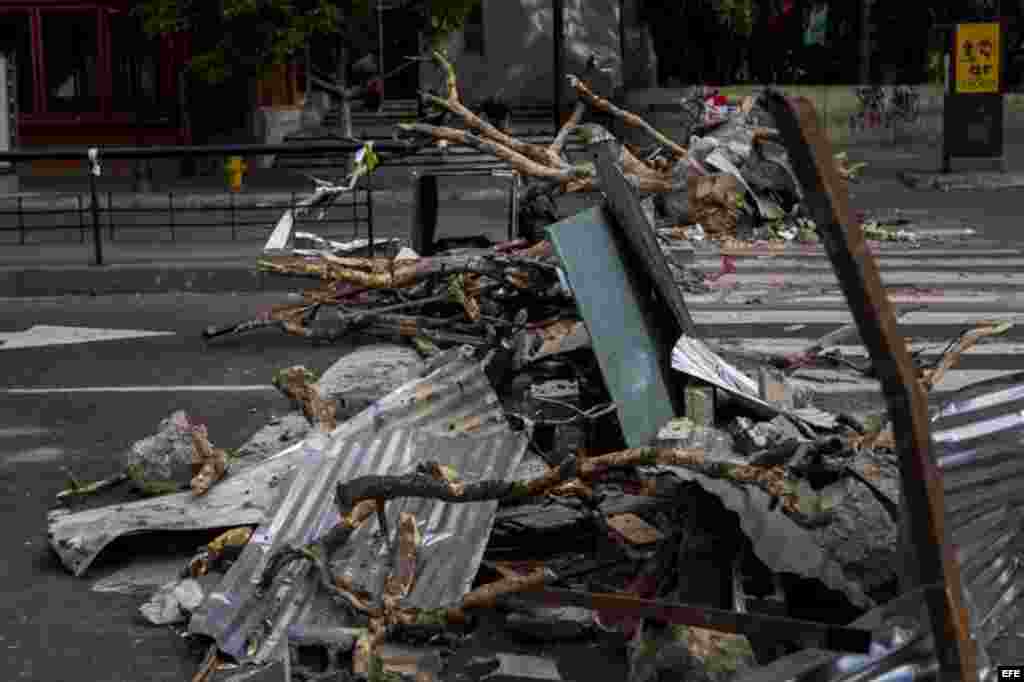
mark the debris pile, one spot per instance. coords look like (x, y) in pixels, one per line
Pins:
(552, 453)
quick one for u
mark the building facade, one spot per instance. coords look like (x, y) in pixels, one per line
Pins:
(86, 73)
(507, 48)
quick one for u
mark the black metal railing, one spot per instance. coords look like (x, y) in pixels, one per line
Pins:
(173, 214)
(105, 214)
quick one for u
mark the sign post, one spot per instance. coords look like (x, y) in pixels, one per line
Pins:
(975, 83)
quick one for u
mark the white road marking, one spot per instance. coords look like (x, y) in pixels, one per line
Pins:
(787, 346)
(905, 263)
(881, 253)
(890, 278)
(905, 299)
(823, 381)
(758, 316)
(242, 388)
(22, 431)
(744, 294)
(52, 335)
(40, 454)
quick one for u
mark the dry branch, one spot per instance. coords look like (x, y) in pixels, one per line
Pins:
(967, 340)
(627, 117)
(563, 134)
(514, 270)
(454, 104)
(297, 383)
(209, 464)
(559, 171)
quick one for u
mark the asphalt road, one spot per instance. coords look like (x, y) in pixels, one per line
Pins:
(55, 627)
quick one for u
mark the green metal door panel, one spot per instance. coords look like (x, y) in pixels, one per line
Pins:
(620, 332)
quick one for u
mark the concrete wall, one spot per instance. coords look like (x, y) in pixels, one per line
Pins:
(518, 59)
(839, 112)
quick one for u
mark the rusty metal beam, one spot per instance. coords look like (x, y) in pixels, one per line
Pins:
(828, 202)
(811, 634)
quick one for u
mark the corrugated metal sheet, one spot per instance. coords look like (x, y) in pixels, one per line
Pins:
(452, 416)
(979, 438)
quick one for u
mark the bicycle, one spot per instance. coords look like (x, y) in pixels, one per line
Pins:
(872, 108)
(904, 104)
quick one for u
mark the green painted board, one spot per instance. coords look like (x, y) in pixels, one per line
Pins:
(620, 332)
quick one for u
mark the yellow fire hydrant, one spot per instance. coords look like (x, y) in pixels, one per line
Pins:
(235, 168)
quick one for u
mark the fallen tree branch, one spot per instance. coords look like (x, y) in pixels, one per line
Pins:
(570, 125)
(209, 464)
(627, 117)
(296, 382)
(453, 103)
(331, 268)
(559, 171)
(932, 376)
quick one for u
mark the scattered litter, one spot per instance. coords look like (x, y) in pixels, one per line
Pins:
(634, 529)
(536, 431)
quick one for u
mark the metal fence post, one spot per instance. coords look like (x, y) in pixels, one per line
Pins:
(110, 214)
(170, 209)
(21, 223)
(424, 225)
(369, 214)
(97, 233)
(513, 207)
(234, 228)
(81, 219)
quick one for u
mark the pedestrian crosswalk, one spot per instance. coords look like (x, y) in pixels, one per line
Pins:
(780, 302)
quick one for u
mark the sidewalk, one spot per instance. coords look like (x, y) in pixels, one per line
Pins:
(468, 206)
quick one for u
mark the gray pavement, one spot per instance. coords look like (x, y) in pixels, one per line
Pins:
(59, 627)
(142, 257)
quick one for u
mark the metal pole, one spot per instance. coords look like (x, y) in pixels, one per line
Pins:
(170, 208)
(97, 233)
(369, 213)
(110, 214)
(234, 228)
(921, 483)
(21, 222)
(380, 37)
(558, 38)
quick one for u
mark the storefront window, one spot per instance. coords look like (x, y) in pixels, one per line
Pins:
(17, 41)
(70, 45)
(134, 62)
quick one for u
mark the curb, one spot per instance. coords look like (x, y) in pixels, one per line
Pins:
(145, 279)
(38, 201)
(947, 182)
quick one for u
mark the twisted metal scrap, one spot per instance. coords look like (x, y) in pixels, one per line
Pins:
(828, 202)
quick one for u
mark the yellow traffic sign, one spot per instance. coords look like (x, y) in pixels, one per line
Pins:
(978, 49)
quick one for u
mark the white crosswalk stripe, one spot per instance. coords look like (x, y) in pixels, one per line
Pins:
(780, 303)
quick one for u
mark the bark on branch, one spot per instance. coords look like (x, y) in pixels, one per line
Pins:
(454, 104)
(627, 117)
(513, 154)
(517, 272)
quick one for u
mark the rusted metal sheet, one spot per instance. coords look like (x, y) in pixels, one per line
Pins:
(978, 436)
(827, 200)
(825, 636)
(451, 416)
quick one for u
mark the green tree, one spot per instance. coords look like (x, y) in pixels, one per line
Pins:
(238, 39)
(232, 37)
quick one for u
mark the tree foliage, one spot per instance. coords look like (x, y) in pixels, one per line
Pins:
(736, 15)
(234, 37)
